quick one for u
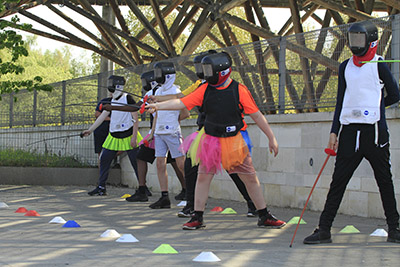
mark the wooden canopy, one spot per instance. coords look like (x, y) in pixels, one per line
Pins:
(119, 45)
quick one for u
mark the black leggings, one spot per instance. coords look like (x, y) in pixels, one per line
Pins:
(191, 179)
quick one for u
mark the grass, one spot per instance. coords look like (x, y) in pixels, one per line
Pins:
(22, 158)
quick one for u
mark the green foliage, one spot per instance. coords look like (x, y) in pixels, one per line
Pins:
(15, 46)
(21, 158)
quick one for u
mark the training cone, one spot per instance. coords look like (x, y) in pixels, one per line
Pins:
(127, 238)
(206, 257)
(21, 210)
(3, 205)
(125, 196)
(58, 219)
(349, 229)
(110, 233)
(182, 203)
(217, 209)
(295, 220)
(71, 224)
(165, 249)
(32, 213)
(379, 232)
(228, 211)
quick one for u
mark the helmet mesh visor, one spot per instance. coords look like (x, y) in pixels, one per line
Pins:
(207, 70)
(157, 73)
(144, 82)
(198, 67)
(357, 39)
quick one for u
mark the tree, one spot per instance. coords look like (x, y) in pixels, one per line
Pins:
(11, 41)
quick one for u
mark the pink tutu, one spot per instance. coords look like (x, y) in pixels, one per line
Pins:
(187, 142)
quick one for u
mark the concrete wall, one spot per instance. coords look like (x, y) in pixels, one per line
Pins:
(287, 179)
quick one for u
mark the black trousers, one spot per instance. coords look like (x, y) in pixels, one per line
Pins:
(357, 141)
(106, 158)
(191, 179)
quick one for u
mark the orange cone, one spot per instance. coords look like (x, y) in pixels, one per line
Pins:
(21, 210)
(218, 209)
(32, 213)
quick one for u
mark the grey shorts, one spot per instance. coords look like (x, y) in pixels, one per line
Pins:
(168, 142)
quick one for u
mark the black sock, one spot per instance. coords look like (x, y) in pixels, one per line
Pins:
(262, 212)
(142, 189)
(164, 193)
(198, 215)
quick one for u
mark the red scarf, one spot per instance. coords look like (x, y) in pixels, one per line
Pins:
(368, 56)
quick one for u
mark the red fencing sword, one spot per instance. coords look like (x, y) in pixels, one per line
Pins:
(144, 104)
(330, 152)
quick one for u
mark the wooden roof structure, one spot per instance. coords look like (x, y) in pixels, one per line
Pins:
(119, 45)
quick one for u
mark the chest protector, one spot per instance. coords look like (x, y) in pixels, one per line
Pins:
(363, 94)
(223, 115)
(120, 120)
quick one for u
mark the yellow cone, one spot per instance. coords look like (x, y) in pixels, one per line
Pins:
(349, 229)
(165, 249)
(228, 211)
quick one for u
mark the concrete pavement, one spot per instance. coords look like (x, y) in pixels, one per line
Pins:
(234, 238)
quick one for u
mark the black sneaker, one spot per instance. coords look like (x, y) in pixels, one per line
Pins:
(251, 211)
(137, 197)
(181, 195)
(269, 221)
(318, 237)
(101, 191)
(148, 193)
(394, 236)
(187, 211)
(162, 203)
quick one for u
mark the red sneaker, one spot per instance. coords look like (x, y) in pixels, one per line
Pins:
(270, 221)
(193, 224)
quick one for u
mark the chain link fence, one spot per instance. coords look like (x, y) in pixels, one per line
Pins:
(288, 74)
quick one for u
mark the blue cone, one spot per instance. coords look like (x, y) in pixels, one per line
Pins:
(71, 224)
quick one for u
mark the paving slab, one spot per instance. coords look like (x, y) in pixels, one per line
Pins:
(233, 238)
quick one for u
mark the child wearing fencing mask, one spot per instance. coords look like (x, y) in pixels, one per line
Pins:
(223, 143)
(364, 90)
(123, 135)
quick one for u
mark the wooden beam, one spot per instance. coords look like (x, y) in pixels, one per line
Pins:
(165, 12)
(132, 47)
(181, 15)
(182, 26)
(329, 4)
(203, 25)
(117, 31)
(393, 3)
(146, 24)
(309, 88)
(78, 26)
(163, 27)
(106, 53)
(89, 8)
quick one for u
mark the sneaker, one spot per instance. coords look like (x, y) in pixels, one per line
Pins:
(148, 193)
(318, 237)
(193, 224)
(270, 221)
(181, 195)
(101, 191)
(251, 211)
(137, 197)
(187, 211)
(394, 236)
(162, 203)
